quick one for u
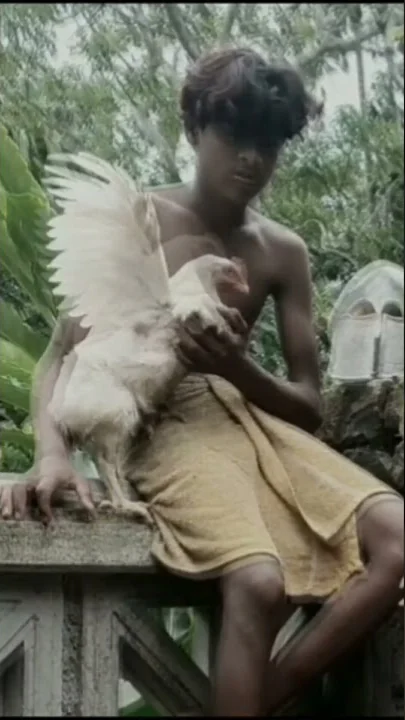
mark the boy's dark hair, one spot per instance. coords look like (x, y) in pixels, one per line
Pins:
(236, 89)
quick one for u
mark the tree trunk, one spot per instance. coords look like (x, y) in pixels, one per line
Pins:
(361, 81)
(361, 86)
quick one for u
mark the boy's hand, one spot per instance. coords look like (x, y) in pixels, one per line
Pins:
(51, 475)
(208, 351)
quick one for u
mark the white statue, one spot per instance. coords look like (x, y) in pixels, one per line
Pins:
(367, 325)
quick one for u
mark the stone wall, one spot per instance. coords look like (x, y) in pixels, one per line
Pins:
(365, 423)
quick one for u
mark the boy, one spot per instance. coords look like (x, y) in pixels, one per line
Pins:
(270, 511)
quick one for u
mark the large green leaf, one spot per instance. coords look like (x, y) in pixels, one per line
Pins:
(14, 394)
(15, 175)
(16, 371)
(24, 213)
(15, 361)
(29, 278)
(17, 438)
(18, 333)
(27, 217)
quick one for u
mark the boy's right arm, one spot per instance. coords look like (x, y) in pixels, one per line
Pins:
(52, 468)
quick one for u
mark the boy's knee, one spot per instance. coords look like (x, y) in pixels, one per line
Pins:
(392, 563)
(382, 532)
(259, 586)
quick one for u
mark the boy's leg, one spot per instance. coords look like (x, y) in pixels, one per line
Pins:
(253, 612)
(348, 616)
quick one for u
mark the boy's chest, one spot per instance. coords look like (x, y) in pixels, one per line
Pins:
(189, 240)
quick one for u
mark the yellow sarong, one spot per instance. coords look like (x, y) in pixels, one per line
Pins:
(231, 483)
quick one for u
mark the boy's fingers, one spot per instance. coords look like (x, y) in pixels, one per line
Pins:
(193, 351)
(213, 344)
(234, 318)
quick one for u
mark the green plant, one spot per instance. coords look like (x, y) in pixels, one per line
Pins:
(179, 623)
(24, 212)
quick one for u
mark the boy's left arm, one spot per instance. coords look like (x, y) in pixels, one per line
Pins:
(296, 400)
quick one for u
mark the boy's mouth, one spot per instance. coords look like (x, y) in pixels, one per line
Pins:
(246, 179)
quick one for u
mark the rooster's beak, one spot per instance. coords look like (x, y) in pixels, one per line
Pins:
(242, 287)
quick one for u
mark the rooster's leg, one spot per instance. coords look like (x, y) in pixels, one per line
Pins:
(119, 504)
(130, 509)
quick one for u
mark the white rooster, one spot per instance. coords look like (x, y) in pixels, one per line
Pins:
(111, 272)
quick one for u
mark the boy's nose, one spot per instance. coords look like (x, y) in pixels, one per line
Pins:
(249, 158)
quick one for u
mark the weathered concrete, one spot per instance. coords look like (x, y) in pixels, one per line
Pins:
(71, 544)
(31, 615)
(105, 545)
(75, 600)
(78, 636)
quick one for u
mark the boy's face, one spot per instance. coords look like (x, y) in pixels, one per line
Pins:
(236, 169)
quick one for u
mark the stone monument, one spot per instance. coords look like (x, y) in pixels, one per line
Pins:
(367, 325)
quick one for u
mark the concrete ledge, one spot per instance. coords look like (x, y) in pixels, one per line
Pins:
(108, 546)
(70, 544)
(66, 499)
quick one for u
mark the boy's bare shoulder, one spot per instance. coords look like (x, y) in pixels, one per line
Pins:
(282, 242)
(171, 201)
(174, 215)
(281, 235)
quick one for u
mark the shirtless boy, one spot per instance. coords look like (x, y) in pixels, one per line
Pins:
(238, 112)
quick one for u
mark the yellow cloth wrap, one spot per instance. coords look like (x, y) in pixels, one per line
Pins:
(232, 484)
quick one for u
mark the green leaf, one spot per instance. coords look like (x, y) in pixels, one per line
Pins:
(15, 176)
(24, 213)
(27, 217)
(18, 333)
(14, 394)
(179, 623)
(17, 438)
(16, 362)
(20, 270)
(16, 371)
(139, 709)
(15, 459)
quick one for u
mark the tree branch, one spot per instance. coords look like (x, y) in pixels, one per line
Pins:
(231, 15)
(147, 129)
(204, 11)
(333, 46)
(176, 21)
(150, 132)
(139, 20)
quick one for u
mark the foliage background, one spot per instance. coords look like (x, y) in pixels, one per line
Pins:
(340, 186)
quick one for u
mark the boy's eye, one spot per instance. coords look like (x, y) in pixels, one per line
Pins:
(243, 134)
(266, 144)
(225, 129)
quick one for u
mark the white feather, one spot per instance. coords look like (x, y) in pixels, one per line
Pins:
(109, 264)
